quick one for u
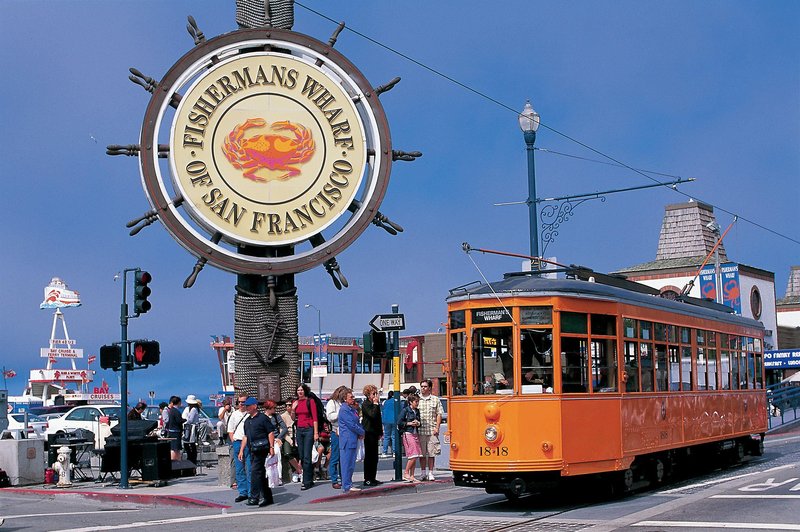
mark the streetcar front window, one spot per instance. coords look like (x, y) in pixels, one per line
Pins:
(458, 363)
(537, 360)
(492, 361)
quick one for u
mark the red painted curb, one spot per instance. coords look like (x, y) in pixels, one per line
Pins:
(169, 500)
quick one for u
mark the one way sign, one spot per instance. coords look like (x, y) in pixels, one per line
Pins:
(388, 322)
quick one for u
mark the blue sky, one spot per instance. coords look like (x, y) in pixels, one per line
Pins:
(709, 90)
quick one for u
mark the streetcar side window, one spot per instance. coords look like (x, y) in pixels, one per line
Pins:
(759, 369)
(458, 364)
(537, 360)
(574, 365)
(603, 329)
(724, 362)
(674, 368)
(574, 352)
(686, 367)
(661, 368)
(604, 365)
(630, 373)
(492, 361)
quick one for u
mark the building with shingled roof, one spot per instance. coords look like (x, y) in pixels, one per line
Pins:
(789, 312)
(685, 246)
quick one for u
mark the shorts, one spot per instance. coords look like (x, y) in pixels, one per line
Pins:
(429, 444)
(411, 445)
(175, 440)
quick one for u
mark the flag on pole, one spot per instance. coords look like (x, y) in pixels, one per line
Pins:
(91, 359)
(9, 373)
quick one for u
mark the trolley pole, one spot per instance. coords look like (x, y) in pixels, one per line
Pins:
(396, 367)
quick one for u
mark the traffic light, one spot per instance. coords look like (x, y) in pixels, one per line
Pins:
(146, 353)
(141, 291)
(110, 357)
(375, 343)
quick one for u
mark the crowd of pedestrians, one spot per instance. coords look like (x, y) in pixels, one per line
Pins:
(315, 441)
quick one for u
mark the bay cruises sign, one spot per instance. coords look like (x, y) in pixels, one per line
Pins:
(274, 140)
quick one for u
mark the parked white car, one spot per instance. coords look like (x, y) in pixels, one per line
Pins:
(36, 426)
(96, 418)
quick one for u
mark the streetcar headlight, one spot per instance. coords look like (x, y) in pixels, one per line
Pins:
(490, 433)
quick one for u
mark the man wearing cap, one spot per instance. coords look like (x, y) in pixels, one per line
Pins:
(431, 411)
(235, 436)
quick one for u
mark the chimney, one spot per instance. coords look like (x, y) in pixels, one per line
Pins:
(684, 232)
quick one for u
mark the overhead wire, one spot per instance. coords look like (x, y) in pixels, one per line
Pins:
(516, 112)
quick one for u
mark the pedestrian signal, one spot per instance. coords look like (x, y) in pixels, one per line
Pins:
(110, 357)
(146, 353)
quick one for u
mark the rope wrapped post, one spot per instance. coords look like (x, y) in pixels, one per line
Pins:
(258, 13)
(266, 341)
(265, 310)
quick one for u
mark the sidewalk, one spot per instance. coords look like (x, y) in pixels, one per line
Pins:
(203, 490)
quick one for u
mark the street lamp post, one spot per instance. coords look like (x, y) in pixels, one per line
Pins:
(529, 123)
(318, 343)
(319, 318)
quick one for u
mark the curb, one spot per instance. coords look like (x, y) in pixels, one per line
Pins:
(158, 499)
(387, 489)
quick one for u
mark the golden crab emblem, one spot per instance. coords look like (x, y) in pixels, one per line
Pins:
(269, 151)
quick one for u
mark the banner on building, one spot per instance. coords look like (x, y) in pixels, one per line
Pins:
(731, 293)
(319, 365)
(708, 283)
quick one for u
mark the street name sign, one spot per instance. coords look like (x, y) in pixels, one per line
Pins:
(388, 322)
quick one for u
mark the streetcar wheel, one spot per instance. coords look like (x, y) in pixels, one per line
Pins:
(511, 496)
(658, 471)
(740, 452)
(758, 447)
(621, 482)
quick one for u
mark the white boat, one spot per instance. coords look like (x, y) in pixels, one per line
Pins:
(64, 379)
(57, 295)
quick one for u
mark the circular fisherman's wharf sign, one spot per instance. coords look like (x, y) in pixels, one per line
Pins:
(275, 143)
(267, 148)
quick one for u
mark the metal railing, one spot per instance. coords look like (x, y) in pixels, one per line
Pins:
(783, 403)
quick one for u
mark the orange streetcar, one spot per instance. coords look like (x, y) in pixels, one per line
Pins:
(595, 375)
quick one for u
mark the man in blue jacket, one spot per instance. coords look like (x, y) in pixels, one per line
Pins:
(350, 431)
(389, 425)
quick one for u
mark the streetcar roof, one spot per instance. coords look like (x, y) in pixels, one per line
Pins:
(526, 284)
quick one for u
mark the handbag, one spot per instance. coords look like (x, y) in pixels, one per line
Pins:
(259, 445)
(190, 433)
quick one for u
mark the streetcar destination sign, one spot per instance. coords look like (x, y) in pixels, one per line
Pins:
(388, 322)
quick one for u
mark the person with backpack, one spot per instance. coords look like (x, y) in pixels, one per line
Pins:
(306, 419)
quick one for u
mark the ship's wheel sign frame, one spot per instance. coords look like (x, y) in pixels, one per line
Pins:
(276, 142)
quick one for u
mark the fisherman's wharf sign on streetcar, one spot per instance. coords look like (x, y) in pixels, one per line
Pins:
(267, 149)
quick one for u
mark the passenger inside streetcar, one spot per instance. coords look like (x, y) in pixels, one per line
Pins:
(537, 361)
